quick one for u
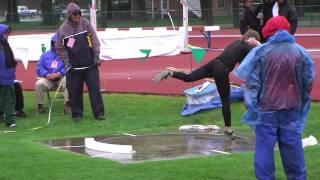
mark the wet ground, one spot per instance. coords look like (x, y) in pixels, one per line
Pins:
(151, 147)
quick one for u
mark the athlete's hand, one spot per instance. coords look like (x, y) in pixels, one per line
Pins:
(253, 42)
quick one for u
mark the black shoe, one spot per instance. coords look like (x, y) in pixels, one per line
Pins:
(1, 118)
(41, 109)
(11, 125)
(21, 114)
(77, 118)
(101, 118)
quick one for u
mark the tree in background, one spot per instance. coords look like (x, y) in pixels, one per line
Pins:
(103, 18)
(299, 8)
(47, 13)
(109, 9)
(206, 11)
(311, 2)
(235, 12)
(141, 11)
(12, 13)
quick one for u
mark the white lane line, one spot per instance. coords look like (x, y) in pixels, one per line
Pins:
(222, 152)
(59, 147)
(127, 134)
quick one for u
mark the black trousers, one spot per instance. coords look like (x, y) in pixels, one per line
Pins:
(217, 70)
(75, 80)
(19, 97)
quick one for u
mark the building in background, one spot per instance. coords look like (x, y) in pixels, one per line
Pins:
(157, 7)
(110, 13)
(220, 7)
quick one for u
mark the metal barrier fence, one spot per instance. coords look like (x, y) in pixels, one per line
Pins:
(309, 16)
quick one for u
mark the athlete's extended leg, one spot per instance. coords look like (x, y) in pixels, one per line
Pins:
(204, 71)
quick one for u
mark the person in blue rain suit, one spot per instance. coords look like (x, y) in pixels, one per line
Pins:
(279, 75)
(7, 77)
(51, 72)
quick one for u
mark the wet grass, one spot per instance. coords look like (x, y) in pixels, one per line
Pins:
(22, 157)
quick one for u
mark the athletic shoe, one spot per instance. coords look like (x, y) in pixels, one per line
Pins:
(76, 119)
(101, 118)
(162, 75)
(67, 109)
(41, 109)
(11, 125)
(228, 131)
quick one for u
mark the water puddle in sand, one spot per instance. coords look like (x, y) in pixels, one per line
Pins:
(164, 146)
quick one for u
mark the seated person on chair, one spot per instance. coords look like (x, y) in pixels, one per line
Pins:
(51, 72)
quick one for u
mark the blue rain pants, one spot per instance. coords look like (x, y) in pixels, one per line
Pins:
(291, 152)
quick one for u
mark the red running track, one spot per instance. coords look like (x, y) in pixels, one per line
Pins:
(134, 76)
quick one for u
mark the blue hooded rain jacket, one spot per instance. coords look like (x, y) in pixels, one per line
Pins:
(7, 75)
(50, 63)
(274, 96)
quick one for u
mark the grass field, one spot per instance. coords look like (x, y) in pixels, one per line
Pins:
(22, 157)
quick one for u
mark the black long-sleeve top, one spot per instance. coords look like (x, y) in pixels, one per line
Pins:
(234, 53)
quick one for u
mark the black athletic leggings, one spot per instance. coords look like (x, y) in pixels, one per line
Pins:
(19, 97)
(217, 70)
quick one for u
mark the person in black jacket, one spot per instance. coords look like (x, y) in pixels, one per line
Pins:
(249, 18)
(264, 12)
(272, 8)
(285, 9)
(267, 11)
(79, 47)
(219, 69)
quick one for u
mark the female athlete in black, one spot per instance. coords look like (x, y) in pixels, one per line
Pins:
(219, 69)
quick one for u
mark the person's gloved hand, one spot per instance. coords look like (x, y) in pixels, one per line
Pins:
(96, 60)
(68, 66)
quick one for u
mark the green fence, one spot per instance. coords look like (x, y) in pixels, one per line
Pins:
(309, 16)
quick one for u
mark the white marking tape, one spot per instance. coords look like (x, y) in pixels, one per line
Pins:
(127, 134)
(222, 152)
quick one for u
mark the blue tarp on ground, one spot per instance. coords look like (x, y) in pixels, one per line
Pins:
(205, 96)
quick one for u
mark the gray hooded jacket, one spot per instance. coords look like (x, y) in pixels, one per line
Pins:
(69, 27)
